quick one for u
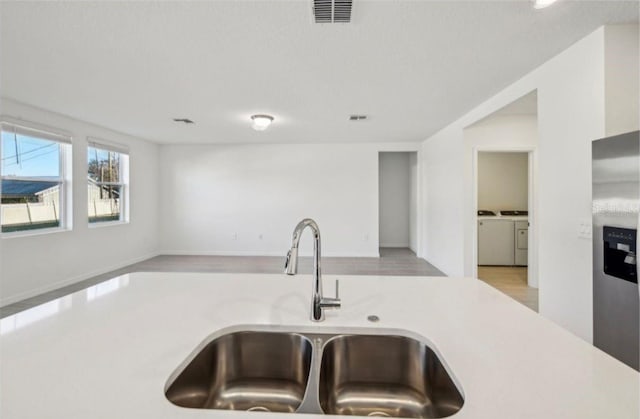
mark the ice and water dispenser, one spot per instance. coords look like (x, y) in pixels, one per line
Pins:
(620, 253)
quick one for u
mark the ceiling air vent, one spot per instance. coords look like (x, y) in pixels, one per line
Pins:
(332, 11)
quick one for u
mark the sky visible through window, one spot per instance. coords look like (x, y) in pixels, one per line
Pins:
(29, 157)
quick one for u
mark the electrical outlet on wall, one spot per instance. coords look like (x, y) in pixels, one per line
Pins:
(260, 236)
(584, 229)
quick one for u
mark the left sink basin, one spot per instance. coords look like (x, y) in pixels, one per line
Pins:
(253, 371)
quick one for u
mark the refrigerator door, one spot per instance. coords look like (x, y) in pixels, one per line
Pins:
(616, 207)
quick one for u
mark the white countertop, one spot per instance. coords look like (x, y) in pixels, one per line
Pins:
(107, 352)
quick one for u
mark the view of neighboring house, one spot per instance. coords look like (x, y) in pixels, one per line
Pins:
(104, 202)
(21, 191)
(24, 205)
(36, 203)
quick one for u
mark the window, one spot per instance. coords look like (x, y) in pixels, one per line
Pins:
(34, 170)
(108, 167)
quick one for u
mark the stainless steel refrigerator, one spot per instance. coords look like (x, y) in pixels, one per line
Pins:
(616, 212)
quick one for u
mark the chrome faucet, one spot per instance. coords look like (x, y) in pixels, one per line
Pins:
(318, 302)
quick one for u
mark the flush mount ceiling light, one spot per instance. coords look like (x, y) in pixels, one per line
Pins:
(541, 4)
(261, 122)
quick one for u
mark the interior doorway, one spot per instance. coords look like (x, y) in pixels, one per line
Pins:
(504, 227)
(503, 223)
(398, 201)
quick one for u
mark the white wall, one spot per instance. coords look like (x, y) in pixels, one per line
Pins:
(571, 113)
(34, 264)
(395, 195)
(503, 181)
(219, 199)
(442, 161)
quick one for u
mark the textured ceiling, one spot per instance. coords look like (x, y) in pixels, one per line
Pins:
(411, 66)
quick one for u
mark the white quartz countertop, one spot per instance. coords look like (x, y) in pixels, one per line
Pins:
(108, 351)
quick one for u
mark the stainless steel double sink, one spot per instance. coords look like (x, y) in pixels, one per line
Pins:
(351, 372)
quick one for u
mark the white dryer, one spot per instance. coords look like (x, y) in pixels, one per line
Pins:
(522, 243)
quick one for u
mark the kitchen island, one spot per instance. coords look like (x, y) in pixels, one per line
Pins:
(109, 351)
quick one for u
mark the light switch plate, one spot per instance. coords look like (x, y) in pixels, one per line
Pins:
(584, 229)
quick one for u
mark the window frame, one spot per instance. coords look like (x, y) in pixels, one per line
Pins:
(123, 170)
(64, 178)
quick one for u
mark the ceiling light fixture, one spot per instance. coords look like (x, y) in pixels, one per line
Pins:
(261, 122)
(541, 4)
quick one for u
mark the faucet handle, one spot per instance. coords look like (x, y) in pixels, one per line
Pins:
(332, 302)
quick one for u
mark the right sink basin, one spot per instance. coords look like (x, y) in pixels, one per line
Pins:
(385, 375)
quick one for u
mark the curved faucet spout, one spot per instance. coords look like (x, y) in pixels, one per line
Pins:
(291, 268)
(297, 232)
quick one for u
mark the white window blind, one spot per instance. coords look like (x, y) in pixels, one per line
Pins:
(31, 131)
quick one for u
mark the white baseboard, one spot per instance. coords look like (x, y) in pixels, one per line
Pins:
(394, 245)
(222, 253)
(32, 293)
(262, 253)
(349, 255)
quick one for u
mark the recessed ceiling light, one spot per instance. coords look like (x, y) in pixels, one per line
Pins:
(185, 120)
(261, 122)
(541, 4)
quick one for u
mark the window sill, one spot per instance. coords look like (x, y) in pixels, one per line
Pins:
(30, 233)
(107, 224)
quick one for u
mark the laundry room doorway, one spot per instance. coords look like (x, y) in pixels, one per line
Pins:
(503, 245)
(503, 222)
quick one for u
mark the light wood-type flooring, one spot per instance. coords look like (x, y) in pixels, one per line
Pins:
(392, 261)
(511, 281)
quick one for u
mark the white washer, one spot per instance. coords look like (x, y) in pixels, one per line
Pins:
(496, 241)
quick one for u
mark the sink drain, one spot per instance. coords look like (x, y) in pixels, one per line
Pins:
(258, 409)
(379, 414)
